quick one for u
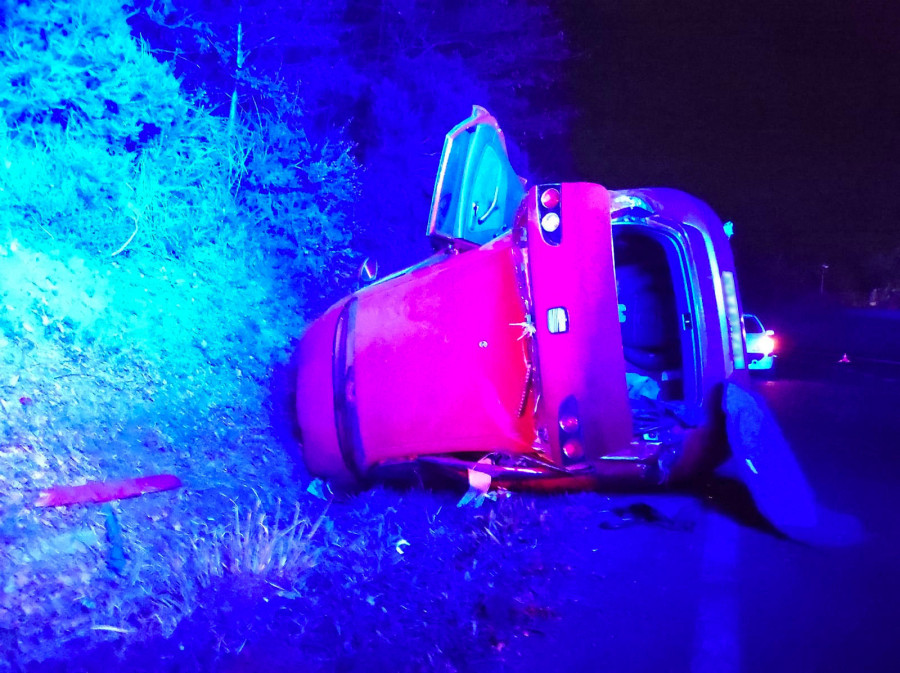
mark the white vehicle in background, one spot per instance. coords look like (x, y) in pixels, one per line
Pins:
(760, 344)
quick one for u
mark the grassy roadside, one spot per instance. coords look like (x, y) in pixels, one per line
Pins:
(392, 581)
(122, 369)
(343, 583)
(155, 263)
(406, 581)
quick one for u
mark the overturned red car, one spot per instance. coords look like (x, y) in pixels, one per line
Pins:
(560, 336)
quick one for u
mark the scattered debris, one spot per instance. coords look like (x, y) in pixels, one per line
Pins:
(641, 386)
(104, 491)
(479, 486)
(319, 488)
(112, 629)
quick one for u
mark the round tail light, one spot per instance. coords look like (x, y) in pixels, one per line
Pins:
(568, 424)
(550, 198)
(550, 222)
(573, 450)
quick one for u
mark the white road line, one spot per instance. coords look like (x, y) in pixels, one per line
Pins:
(717, 631)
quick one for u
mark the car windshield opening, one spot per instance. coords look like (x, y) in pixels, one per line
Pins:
(649, 318)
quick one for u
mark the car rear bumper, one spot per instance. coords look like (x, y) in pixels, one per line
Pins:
(315, 400)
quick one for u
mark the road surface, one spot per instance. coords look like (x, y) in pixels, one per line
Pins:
(727, 597)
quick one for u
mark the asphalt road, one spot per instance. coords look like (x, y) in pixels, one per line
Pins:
(722, 594)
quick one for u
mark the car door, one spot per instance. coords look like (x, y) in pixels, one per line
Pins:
(476, 192)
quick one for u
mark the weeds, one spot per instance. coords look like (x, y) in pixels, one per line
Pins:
(256, 544)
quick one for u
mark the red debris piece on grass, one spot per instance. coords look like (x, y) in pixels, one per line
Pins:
(104, 491)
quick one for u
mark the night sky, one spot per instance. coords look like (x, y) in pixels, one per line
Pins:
(783, 116)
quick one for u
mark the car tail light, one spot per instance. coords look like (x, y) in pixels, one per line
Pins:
(550, 213)
(570, 435)
(573, 450)
(550, 198)
(568, 423)
(550, 222)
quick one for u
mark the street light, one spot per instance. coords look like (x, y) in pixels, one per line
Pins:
(823, 268)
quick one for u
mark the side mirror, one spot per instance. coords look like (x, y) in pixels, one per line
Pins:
(368, 271)
(770, 332)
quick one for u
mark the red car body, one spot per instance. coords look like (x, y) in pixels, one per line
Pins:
(564, 336)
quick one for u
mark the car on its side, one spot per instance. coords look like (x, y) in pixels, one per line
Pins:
(760, 344)
(563, 335)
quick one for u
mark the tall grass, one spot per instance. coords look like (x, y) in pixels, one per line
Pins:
(155, 266)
